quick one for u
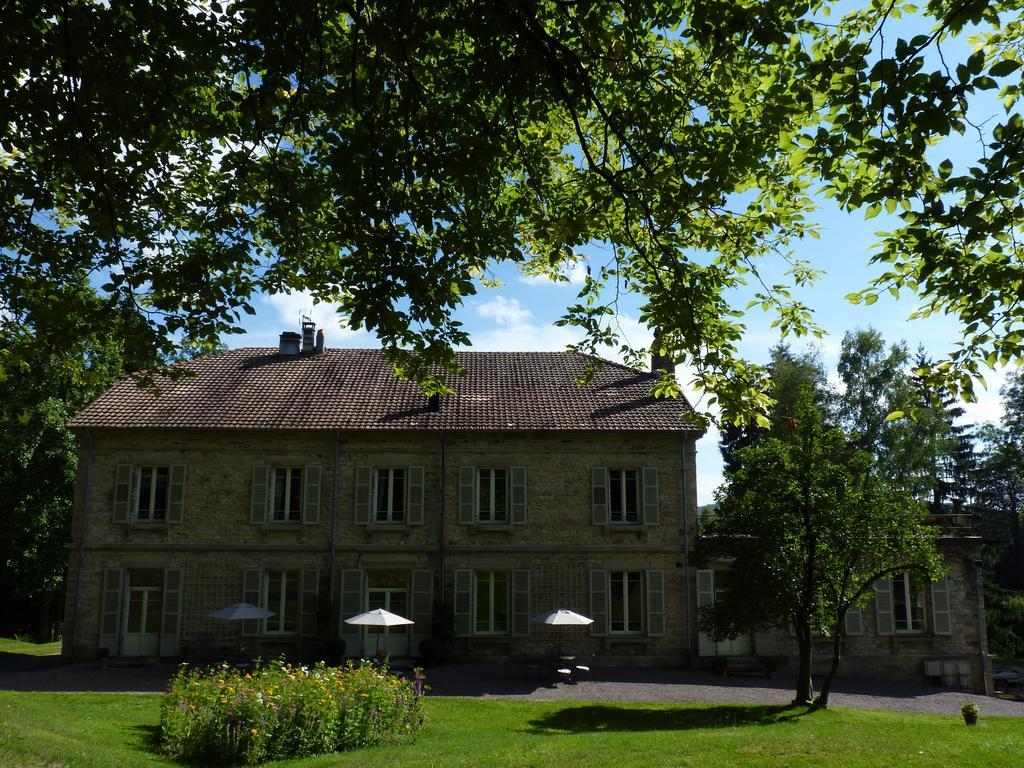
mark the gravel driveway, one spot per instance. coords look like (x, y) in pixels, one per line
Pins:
(512, 681)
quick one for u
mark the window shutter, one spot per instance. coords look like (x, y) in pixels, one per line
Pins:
(705, 597)
(518, 495)
(599, 495)
(467, 495)
(251, 595)
(110, 619)
(415, 506)
(170, 621)
(599, 602)
(122, 495)
(655, 603)
(353, 597)
(260, 495)
(133, 494)
(941, 618)
(463, 603)
(311, 494)
(310, 602)
(520, 603)
(651, 508)
(422, 605)
(854, 621)
(176, 494)
(364, 476)
(883, 606)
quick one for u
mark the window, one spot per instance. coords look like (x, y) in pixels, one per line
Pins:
(907, 604)
(624, 496)
(492, 495)
(491, 603)
(625, 602)
(286, 501)
(281, 591)
(389, 503)
(151, 494)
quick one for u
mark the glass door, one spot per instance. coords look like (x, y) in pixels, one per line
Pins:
(142, 611)
(388, 590)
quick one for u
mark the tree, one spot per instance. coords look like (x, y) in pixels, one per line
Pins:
(808, 528)
(386, 154)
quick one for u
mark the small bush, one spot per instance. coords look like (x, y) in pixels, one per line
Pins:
(226, 716)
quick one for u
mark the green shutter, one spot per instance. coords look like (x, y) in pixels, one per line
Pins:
(883, 607)
(110, 613)
(362, 495)
(353, 595)
(518, 495)
(463, 603)
(854, 622)
(521, 603)
(170, 623)
(260, 502)
(599, 602)
(467, 495)
(122, 494)
(705, 597)
(311, 494)
(655, 603)
(941, 618)
(176, 494)
(422, 605)
(599, 495)
(415, 492)
(652, 514)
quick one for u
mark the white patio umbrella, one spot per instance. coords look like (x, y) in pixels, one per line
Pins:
(379, 618)
(241, 612)
(562, 617)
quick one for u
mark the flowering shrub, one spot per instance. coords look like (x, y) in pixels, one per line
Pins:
(225, 716)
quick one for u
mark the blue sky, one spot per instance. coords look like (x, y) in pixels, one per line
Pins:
(520, 314)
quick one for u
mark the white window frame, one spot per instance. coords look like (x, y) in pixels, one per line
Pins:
(282, 604)
(620, 517)
(490, 576)
(152, 470)
(625, 603)
(289, 516)
(390, 511)
(908, 603)
(491, 514)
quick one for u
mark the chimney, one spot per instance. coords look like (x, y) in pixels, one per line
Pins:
(320, 341)
(289, 344)
(308, 327)
(659, 360)
(434, 403)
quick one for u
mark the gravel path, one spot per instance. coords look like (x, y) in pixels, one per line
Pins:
(512, 681)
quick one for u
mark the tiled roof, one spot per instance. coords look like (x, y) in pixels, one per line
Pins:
(257, 388)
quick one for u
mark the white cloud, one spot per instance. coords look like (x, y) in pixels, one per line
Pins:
(574, 273)
(504, 311)
(291, 307)
(989, 406)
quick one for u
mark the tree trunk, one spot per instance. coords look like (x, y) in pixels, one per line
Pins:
(837, 650)
(804, 684)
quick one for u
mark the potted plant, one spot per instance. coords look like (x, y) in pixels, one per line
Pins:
(970, 712)
(103, 657)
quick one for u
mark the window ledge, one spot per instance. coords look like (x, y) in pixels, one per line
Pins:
(282, 526)
(392, 527)
(493, 526)
(624, 527)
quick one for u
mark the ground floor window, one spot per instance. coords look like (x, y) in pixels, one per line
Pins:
(281, 591)
(907, 604)
(626, 602)
(492, 603)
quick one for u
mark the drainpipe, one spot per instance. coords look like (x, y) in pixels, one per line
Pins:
(686, 550)
(334, 515)
(81, 543)
(986, 679)
(444, 507)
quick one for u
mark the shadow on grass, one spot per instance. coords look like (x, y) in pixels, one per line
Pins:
(146, 738)
(599, 717)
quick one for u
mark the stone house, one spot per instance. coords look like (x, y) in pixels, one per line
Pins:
(312, 482)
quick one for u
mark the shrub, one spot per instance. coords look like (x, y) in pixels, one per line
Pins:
(224, 716)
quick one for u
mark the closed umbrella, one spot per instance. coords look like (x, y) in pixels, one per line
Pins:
(378, 618)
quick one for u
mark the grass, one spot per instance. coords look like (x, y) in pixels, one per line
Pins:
(15, 647)
(99, 730)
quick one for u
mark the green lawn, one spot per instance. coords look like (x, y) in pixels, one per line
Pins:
(9, 647)
(91, 729)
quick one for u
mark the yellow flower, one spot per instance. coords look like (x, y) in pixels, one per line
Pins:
(252, 731)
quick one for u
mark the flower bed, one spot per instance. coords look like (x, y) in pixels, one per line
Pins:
(225, 716)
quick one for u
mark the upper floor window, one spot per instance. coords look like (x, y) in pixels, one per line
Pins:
(389, 495)
(286, 501)
(492, 495)
(624, 496)
(151, 490)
